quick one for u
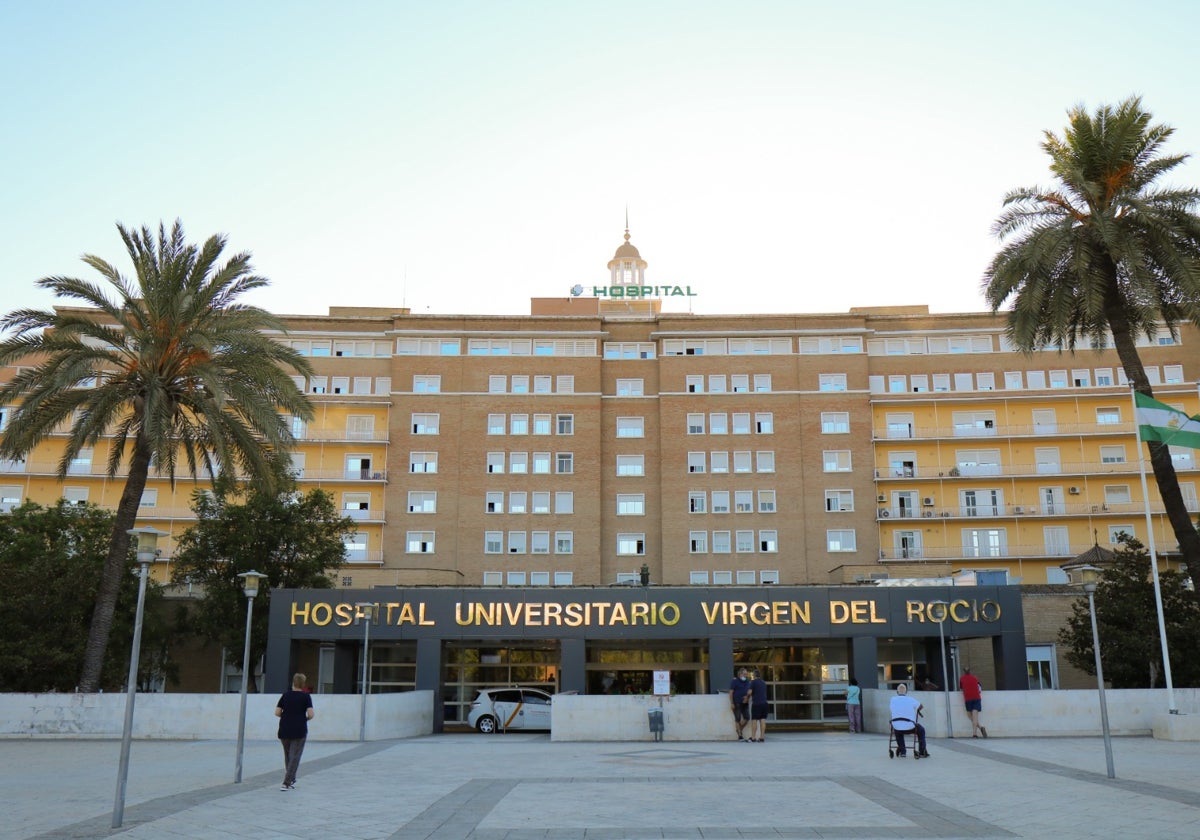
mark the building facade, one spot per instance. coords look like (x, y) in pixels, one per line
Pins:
(600, 440)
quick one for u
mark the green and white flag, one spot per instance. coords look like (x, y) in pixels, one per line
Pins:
(1160, 422)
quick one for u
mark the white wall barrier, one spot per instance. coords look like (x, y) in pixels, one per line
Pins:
(578, 717)
(211, 716)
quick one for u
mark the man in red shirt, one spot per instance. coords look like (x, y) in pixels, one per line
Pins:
(973, 699)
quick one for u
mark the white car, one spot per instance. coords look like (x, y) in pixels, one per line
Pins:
(514, 707)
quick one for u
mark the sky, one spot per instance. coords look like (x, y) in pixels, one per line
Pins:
(463, 157)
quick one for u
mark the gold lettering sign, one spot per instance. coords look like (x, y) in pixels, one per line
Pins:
(959, 611)
(758, 612)
(570, 614)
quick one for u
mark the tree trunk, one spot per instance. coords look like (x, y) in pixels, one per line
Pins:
(116, 565)
(1160, 455)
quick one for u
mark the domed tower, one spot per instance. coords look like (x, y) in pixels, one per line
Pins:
(627, 268)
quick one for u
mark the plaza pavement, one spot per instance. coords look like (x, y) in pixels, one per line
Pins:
(523, 786)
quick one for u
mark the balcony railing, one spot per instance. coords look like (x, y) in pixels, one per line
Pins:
(1006, 552)
(1010, 511)
(1000, 430)
(1064, 468)
(96, 470)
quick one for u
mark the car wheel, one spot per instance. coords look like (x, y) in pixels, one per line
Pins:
(486, 724)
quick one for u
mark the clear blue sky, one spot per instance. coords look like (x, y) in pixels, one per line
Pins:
(466, 156)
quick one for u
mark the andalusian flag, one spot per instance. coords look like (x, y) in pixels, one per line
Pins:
(1160, 422)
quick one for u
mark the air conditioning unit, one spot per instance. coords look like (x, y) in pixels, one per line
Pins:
(885, 513)
(927, 501)
(1018, 509)
(1074, 491)
(927, 514)
(881, 498)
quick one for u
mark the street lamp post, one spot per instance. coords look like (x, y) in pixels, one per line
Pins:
(1088, 576)
(147, 550)
(250, 582)
(365, 612)
(945, 605)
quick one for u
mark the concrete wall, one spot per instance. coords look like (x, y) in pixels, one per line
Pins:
(211, 716)
(579, 717)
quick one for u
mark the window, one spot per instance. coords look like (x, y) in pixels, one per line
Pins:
(630, 387)
(719, 462)
(81, 463)
(720, 501)
(75, 495)
(899, 424)
(695, 424)
(492, 578)
(564, 501)
(497, 384)
(356, 547)
(362, 385)
(518, 424)
(318, 385)
(516, 502)
(419, 542)
(768, 542)
(837, 460)
(764, 423)
(565, 463)
(1112, 454)
(542, 384)
(974, 423)
(741, 423)
(766, 501)
(1115, 532)
(359, 467)
(698, 578)
(1116, 494)
(493, 542)
(516, 542)
(539, 543)
(425, 424)
(716, 383)
(1104, 376)
(564, 543)
(769, 576)
(631, 465)
(541, 424)
(630, 427)
(496, 424)
(718, 424)
(424, 385)
(766, 462)
(721, 544)
(842, 540)
(628, 350)
(740, 383)
(762, 383)
(743, 501)
(149, 499)
(897, 384)
(839, 501)
(835, 422)
(695, 384)
(1108, 416)
(422, 462)
(744, 542)
(697, 501)
(422, 501)
(520, 384)
(1172, 374)
(696, 462)
(518, 463)
(1041, 667)
(741, 462)
(631, 544)
(631, 504)
(493, 502)
(565, 383)
(1058, 379)
(832, 381)
(566, 424)
(495, 462)
(541, 463)
(698, 542)
(541, 501)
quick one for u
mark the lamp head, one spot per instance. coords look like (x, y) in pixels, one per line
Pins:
(364, 610)
(1084, 575)
(147, 543)
(250, 582)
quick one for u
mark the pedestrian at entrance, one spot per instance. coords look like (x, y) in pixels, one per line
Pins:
(294, 710)
(758, 708)
(905, 710)
(854, 706)
(973, 700)
(739, 701)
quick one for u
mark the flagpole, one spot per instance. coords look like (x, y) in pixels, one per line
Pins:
(1158, 604)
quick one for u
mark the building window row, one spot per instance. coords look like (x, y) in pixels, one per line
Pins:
(530, 347)
(520, 424)
(736, 383)
(347, 348)
(1016, 380)
(356, 385)
(528, 542)
(541, 463)
(742, 577)
(525, 384)
(743, 462)
(536, 501)
(718, 501)
(528, 578)
(726, 542)
(718, 423)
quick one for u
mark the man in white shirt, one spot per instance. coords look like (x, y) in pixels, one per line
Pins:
(905, 711)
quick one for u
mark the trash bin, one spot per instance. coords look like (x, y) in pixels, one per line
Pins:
(656, 723)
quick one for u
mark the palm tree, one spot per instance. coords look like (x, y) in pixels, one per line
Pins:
(174, 372)
(1104, 251)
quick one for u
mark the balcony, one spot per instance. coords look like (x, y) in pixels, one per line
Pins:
(1005, 553)
(1020, 511)
(952, 432)
(1083, 469)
